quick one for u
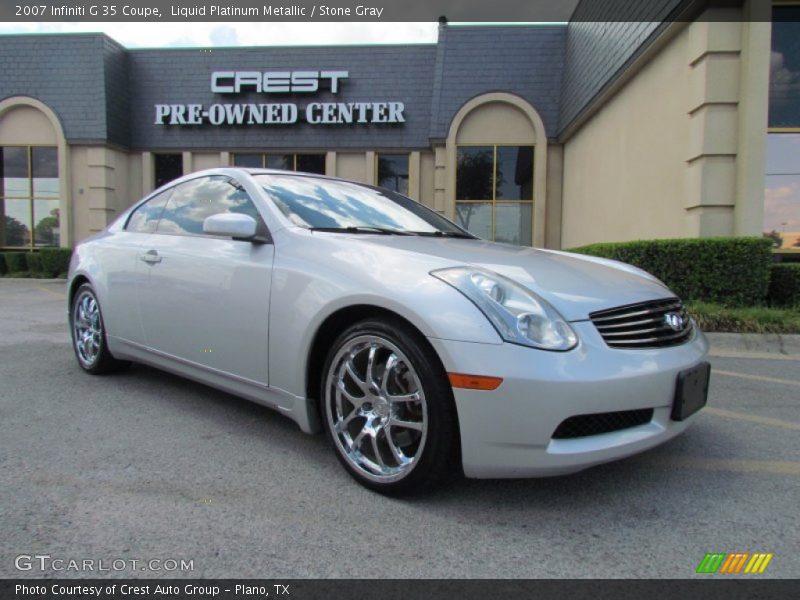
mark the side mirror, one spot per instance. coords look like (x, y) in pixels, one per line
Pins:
(235, 225)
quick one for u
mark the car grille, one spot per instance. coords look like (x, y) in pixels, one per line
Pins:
(644, 325)
(585, 425)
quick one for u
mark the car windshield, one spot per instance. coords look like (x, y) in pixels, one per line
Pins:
(331, 205)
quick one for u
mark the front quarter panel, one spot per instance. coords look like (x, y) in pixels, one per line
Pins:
(316, 275)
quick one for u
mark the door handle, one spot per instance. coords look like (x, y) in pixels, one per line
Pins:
(151, 257)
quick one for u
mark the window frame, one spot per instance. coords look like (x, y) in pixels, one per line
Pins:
(30, 198)
(777, 130)
(263, 235)
(168, 191)
(494, 201)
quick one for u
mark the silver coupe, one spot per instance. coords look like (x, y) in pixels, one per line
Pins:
(423, 351)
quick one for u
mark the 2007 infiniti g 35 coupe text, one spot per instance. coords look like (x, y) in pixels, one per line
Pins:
(420, 349)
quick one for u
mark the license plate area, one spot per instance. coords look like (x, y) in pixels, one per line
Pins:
(691, 391)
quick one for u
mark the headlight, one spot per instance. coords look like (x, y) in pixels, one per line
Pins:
(519, 315)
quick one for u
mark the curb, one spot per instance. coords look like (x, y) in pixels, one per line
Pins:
(770, 345)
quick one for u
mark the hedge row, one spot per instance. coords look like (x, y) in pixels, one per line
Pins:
(34, 262)
(47, 262)
(732, 271)
(15, 262)
(55, 261)
(784, 285)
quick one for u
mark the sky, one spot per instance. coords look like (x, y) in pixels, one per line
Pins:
(150, 35)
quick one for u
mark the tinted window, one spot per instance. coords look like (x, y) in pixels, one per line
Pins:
(310, 163)
(194, 201)
(167, 168)
(782, 194)
(145, 218)
(14, 172)
(279, 161)
(250, 161)
(514, 173)
(393, 172)
(784, 78)
(474, 173)
(494, 192)
(29, 197)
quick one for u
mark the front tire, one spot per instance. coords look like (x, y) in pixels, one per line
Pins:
(388, 408)
(89, 335)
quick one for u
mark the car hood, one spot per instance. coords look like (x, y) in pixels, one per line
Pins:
(574, 284)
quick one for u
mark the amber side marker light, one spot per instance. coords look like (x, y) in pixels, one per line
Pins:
(474, 382)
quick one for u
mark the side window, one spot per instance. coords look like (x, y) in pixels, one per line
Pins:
(145, 218)
(192, 202)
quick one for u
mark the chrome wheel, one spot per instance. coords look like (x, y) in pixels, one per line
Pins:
(87, 328)
(375, 407)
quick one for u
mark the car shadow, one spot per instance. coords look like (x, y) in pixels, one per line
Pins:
(631, 486)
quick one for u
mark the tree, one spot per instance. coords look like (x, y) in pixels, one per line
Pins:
(14, 233)
(46, 229)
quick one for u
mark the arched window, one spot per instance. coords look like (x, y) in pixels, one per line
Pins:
(30, 188)
(498, 149)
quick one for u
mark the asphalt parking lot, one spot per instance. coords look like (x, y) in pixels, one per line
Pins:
(143, 465)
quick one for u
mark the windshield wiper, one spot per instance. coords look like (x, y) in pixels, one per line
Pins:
(361, 229)
(450, 234)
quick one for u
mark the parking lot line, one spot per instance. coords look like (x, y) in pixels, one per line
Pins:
(51, 292)
(756, 377)
(771, 467)
(729, 414)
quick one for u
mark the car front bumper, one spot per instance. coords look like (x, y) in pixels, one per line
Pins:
(508, 432)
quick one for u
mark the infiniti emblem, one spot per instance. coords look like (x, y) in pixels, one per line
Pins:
(674, 321)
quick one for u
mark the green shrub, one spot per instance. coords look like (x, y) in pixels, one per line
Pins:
(33, 262)
(753, 319)
(55, 261)
(3, 267)
(784, 285)
(15, 262)
(732, 271)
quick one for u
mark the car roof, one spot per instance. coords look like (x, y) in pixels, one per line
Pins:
(252, 171)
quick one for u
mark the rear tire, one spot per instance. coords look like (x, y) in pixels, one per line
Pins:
(89, 334)
(388, 409)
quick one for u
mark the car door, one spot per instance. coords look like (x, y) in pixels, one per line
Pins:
(123, 275)
(205, 299)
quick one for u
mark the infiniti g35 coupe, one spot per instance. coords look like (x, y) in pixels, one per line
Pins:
(420, 349)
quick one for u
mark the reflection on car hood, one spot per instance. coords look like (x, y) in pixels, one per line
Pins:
(576, 285)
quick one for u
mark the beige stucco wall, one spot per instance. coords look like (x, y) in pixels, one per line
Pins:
(26, 125)
(427, 167)
(496, 123)
(104, 182)
(351, 165)
(678, 150)
(625, 169)
(205, 160)
(553, 196)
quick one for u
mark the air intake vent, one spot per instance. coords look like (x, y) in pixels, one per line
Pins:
(586, 425)
(653, 324)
